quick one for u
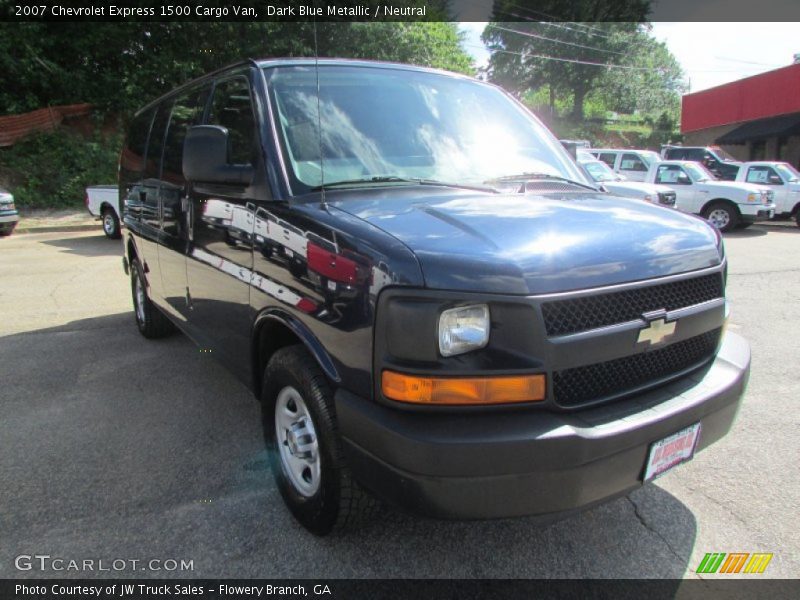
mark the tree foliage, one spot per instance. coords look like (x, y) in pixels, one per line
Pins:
(572, 59)
(121, 66)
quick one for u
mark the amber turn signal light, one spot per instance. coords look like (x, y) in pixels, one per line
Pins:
(462, 391)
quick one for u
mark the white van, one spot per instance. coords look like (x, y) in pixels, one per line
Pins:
(633, 164)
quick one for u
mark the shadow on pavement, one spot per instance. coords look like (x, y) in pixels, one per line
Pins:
(115, 446)
(95, 245)
(746, 233)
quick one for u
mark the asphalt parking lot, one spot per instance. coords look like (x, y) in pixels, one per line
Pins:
(115, 447)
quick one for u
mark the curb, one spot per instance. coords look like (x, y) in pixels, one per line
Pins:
(57, 229)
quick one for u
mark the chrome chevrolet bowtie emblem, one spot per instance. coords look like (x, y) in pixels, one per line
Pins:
(656, 331)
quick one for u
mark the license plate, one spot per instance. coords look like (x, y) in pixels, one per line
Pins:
(671, 451)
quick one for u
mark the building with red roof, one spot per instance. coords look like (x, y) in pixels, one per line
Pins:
(756, 118)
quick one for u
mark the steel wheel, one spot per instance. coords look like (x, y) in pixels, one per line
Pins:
(139, 298)
(297, 442)
(722, 215)
(108, 224)
(720, 218)
(111, 225)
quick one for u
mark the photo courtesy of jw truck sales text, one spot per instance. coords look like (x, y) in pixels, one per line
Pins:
(432, 314)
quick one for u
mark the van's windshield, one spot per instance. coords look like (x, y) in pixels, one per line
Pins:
(389, 126)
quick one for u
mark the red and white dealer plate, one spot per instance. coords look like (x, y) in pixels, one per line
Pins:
(671, 451)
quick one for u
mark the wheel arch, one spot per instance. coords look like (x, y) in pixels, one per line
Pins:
(130, 249)
(104, 205)
(275, 329)
(727, 201)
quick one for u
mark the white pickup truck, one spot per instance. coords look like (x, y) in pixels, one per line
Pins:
(782, 178)
(619, 186)
(726, 204)
(102, 201)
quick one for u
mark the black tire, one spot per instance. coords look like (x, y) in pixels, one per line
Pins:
(797, 218)
(150, 320)
(111, 224)
(338, 501)
(714, 214)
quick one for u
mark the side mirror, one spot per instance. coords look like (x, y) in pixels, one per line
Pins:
(205, 157)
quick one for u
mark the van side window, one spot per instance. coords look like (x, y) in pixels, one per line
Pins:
(232, 108)
(152, 168)
(631, 162)
(187, 111)
(155, 146)
(132, 157)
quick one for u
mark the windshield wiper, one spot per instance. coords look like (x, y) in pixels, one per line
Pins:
(394, 179)
(364, 181)
(529, 176)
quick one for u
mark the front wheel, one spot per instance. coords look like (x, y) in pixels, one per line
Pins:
(722, 216)
(111, 224)
(797, 217)
(304, 446)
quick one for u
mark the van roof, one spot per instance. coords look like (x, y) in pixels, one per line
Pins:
(305, 61)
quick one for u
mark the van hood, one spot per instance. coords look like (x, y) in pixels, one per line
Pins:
(533, 243)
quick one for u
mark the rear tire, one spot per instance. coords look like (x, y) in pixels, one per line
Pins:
(304, 446)
(797, 218)
(722, 215)
(111, 224)
(150, 320)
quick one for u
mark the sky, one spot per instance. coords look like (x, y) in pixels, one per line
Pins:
(710, 53)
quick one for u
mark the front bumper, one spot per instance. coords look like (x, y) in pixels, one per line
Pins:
(481, 465)
(756, 212)
(8, 220)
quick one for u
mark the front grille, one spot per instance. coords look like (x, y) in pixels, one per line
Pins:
(582, 385)
(590, 312)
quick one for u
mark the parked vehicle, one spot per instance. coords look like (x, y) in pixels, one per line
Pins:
(726, 204)
(455, 349)
(9, 216)
(713, 158)
(102, 201)
(782, 178)
(619, 186)
(633, 164)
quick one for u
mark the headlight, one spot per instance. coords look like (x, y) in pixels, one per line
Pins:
(463, 329)
(7, 206)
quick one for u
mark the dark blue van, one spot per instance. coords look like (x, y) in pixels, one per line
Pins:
(434, 305)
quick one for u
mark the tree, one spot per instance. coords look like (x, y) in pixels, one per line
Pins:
(653, 88)
(573, 58)
(122, 66)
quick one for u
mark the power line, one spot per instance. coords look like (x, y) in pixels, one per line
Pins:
(551, 18)
(541, 37)
(567, 60)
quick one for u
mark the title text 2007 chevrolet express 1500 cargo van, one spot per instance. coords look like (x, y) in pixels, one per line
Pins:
(434, 304)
